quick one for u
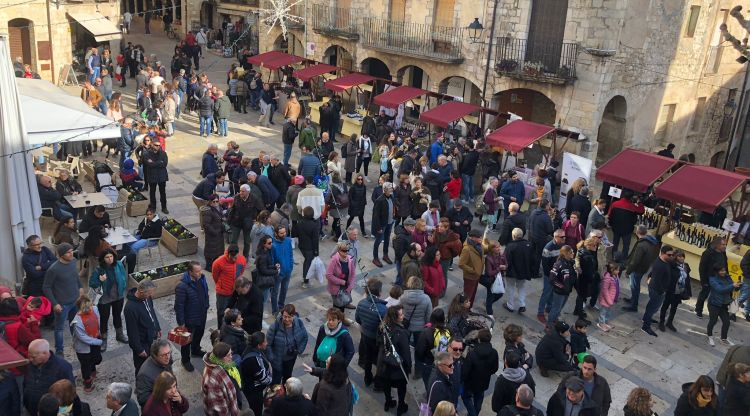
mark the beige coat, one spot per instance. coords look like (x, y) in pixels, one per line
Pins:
(471, 262)
(292, 110)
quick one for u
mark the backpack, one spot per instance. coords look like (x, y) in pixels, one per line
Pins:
(441, 339)
(328, 346)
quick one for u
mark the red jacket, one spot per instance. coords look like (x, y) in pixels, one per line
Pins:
(434, 281)
(453, 187)
(170, 408)
(38, 313)
(225, 272)
(17, 335)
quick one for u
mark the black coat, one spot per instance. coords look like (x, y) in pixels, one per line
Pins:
(399, 336)
(250, 306)
(439, 388)
(402, 200)
(292, 406)
(91, 221)
(141, 322)
(155, 164)
(357, 199)
(309, 235)
(520, 258)
(480, 364)
(235, 337)
(469, 164)
(213, 226)
(686, 408)
(37, 380)
(550, 352)
(459, 216)
(505, 391)
(709, 259)
(737, 399)
(581, 204)
(556, 405)
(243, 212)
(379, 214)
(511, 221)
(279, 177)
(48, 197)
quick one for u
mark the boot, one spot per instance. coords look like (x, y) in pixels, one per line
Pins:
(120, 336)
(402, 409)
(104, 342)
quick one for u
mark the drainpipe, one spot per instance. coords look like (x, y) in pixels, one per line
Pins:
(489, 58)
(49, 39)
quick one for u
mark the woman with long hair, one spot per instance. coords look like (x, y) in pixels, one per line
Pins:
(357, 203)
(434, 338)
(394, 358)
(458, 313)
(698, 398)
(111, 277)
(432, 274)
(165, 399)
(114, 109)
(494, 263)
(264, 264)
(639, 403)
(333, 395)
(66, 232)
(420, 198)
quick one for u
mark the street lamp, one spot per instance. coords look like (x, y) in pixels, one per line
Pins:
(475, 33)
(475, 30)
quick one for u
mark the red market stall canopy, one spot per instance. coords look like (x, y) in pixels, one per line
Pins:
(310, 72)
(397, 96)
(265, 57)
(517, 135)
(9, 357)
(634, 169)
(700, 187)
(348, 81)
(447, 113)
(282, 61)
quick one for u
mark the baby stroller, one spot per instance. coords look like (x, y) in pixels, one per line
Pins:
(474, 323)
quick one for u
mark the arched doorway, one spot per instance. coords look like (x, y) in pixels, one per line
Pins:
(207, 14)
(529, 104)
(376, 68)
(611, 133)
(413, 76)
(20, 37)
(717, 160)
(291, 45)
(462, 88)
(338, 56)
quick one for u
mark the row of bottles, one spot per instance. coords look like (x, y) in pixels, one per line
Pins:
(649, 218)
(698, 236)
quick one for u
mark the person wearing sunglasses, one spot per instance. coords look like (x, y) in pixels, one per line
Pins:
(440, 386)
(658, 283)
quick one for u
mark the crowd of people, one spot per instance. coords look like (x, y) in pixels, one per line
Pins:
(425, 205)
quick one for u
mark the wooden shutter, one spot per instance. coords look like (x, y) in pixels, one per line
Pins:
(444, 12)
(546, 32)
(344, 4)
(19, 40)
(398, 10)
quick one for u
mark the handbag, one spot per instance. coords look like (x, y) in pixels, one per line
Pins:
(390, 356)
(734, 307)
(180, 336)
(424, 407)
(342, 298)
(498, 286)
(261, 280)
(407, 321)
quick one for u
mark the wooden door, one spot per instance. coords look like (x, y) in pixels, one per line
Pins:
(20, 41)
(546, 32)
(398, 10)
(444, 13)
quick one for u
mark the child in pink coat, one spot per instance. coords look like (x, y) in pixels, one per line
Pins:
(608, 295)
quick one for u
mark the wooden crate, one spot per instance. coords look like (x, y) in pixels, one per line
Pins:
(179, 247)
(134, 208)
(88, 171)
(164, 286)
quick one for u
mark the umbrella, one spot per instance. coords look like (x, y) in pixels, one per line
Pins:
(19, 199)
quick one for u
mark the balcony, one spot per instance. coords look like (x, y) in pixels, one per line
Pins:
(334, 22)
(249, 3)
(546, 63)
(436, 43)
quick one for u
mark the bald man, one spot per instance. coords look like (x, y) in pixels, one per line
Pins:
(43, 370)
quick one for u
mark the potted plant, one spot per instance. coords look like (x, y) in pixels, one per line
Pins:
(166, 278)
(506, 65)
(533, 69)
(137, 203)
(178, 239)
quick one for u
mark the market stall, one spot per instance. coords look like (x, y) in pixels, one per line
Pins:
(634, 169)
(351, 122)
(702, 188)
(447, 113)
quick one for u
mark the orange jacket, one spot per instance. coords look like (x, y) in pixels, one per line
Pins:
(225, 272)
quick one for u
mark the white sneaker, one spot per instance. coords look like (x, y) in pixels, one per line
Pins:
(727, 342)
(711, 341)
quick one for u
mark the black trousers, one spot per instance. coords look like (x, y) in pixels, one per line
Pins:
(309, 256)
(104, 310)
(89, 361)
(702, 296)
(280, 375)
(669, 305)
(368, 355)
(363, 161)
(138, 360)
(195, 346)
(254, 398)
(361, 222)
(162, 194)
(714, 313)
(400, 386)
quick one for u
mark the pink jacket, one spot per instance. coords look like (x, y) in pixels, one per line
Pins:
(609, 291)
(335, 276)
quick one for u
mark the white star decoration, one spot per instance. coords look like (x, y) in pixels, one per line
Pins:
(280, 12)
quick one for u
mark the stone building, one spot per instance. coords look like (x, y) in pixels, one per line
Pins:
(49, 35)
(637, 73)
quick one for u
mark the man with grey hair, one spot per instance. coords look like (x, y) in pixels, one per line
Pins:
(524, 404)
(382, 223)
(209, 163)
(351, 237)
(520, 256)
(141, 321)
(294, 402)
(159, 360)
(242, 215)
(119, 400)
(44, 369)
(440, 387)
(278, 175)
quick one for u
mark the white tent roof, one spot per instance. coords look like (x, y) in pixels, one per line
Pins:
(102, 28)
(52, 115)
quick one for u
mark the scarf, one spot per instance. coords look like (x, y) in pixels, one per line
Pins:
(702, 401)
(230, 368)
(65, 410)
(332, 332)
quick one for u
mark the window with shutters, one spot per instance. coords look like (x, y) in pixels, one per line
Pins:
(665, 122)
(398, 10)
(444, 13)
(695, 12)
(700, 111)
(546, 32)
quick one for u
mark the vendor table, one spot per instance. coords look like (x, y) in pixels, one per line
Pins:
(693, 255)
(315, 110)
(85, 200)
(351, 125)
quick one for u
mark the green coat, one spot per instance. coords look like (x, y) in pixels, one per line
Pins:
(307, 138)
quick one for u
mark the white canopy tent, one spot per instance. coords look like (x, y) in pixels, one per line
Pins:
(53, 115)
(102, 28)
(19, 199)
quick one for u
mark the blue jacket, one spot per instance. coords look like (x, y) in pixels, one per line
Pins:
(191, 301)
(126, 143)
(279, 344)
(436, 149)
(282, 253)
(510, 189)
(270, 193)
(206, 187)
(721, 290)
(309, 166)
(368, 315)
(208, 164)
(37, 380)
(30, 260)
(118, 272)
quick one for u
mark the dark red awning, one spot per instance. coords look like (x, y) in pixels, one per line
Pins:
(634, 169)
(305, 74)
(282, 61)
(517, 135)
(447, 113)
(348, 81)
(700, 187)
(397, 96)
(9, 357)
(264, 57)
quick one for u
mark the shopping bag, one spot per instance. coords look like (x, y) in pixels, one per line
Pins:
(498, 286)
(180, 336)
(317, 270)
(734, 307)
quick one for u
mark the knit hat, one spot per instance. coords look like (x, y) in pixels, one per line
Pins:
(299, 180)
(475, 233)
(63, 248)
(561, 327)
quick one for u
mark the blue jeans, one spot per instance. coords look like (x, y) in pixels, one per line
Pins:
(223, 127)
(473, 402)
(625, 242)
(635, 289)
(545, 301)
(124, 155)
(178, 108)
(604, 313)
(266, 295)
(287, 154)
(467, 187)
(68, 313)
(278, 293)
(655, 300)
(385, 238)
(745, 296)
(93, 76)
(103, 106)
(206, 125)
(141, 243)
(254, 98)
(558, 303)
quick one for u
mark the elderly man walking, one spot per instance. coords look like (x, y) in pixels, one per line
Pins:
(44, 369)
(191, 310)
(62, 287)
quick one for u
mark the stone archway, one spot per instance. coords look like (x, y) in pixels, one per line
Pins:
(291, 45)
(413, 76)
(376, 68)
(531, 105)
(21, 37)
(208, 10)
(717, 160)
(611, 133)
(461, 87)
(338, 56)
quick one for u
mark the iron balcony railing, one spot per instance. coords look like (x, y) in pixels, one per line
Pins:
(249, 3)
(334, 21)
(436, 43)
(552, 63)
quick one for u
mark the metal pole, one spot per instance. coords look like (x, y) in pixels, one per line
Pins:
(489, 58)
(306, 23)
(736, 123)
